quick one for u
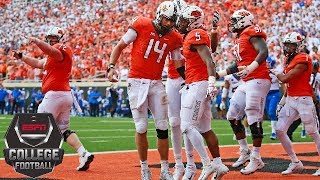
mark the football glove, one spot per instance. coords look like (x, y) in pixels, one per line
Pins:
(222, 105)
(211, 90)
(215, 19)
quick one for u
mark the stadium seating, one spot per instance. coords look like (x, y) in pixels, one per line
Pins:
(93, 28)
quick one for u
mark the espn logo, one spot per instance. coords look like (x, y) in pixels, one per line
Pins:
(34, 127)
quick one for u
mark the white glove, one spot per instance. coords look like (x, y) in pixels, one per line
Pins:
(276, 71)
(211, 90)
(280, 105)
(222, 105)
(248, 69)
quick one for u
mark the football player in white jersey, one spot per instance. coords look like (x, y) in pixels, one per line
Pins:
(231, 82)
(273, 97)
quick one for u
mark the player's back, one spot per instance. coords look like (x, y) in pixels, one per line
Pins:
(196, 69)
(150, 49)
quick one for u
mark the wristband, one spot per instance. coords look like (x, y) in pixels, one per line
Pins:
(111, 66)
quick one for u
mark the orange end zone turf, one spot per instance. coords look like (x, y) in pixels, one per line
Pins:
(125, 165)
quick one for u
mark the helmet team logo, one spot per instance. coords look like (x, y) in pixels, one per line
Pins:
(33, 144)
(33, 132)
(196, 13)
(164, 8)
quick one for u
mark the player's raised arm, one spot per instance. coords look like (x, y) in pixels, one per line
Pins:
(33, 62)
(214, 33)
(53, 36)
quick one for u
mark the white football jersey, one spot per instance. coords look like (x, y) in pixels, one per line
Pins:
(315, 83)
(274, 82)
(234, 82)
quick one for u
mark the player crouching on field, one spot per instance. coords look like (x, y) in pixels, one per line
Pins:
(55, 85)
(297, 101)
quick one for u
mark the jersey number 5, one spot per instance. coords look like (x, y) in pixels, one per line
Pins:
(155, 49)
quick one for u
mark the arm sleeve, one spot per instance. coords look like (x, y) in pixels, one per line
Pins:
(224, 93)
(130, 36)
(176, 54)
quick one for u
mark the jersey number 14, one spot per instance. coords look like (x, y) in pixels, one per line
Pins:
(155, 49)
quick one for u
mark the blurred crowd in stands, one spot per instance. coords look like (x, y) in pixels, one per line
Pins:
(94, 27)
(110, 102)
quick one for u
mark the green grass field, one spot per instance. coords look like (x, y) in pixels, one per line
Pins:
(114, 134)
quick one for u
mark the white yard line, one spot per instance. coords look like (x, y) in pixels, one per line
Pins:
(128, 151)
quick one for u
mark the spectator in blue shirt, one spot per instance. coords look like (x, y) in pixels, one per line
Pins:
(94, 98)
(16, 94)
(38, 99)
(3, 96)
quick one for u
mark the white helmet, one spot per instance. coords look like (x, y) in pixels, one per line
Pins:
(168, 10)
(292, 38)
(193, 16)
(289, 39)
(55, 31)
(240, 19)
(180, 4)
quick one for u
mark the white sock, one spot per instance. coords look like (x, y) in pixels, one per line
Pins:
(294, 158)
(164, 165)
(243, 144)
(217, 160)
(144, 164)
(287, 145)
(273, 126)
(176, 139)
(256, 152)
(197, 141)
(81, 150)
(189, 150)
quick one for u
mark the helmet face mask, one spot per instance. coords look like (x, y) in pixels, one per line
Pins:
(292, 44)
(167, 11)
(52, 40)
(239, 20)
(54, 35)
(190, 18)
(182, 25)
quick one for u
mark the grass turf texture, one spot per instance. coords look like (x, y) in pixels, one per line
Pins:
(113, 134)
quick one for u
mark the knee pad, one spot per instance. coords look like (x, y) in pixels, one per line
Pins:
(174, 121)
(66, 134)
(141, 126)
(256, 130)
(236, 126)
(162, 134)
(161, 124)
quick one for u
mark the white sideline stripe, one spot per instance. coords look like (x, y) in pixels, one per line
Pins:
(120, 121)
(115, 137)
(101, 141)
(128, 151)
